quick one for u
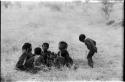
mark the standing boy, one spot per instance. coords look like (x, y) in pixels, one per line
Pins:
(91, 45)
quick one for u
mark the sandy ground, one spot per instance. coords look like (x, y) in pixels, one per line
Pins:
(49, 23)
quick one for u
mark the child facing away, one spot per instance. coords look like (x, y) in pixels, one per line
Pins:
(36, 61)
(26, 55)
(91, 45)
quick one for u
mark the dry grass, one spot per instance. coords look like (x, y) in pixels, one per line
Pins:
(39, 24)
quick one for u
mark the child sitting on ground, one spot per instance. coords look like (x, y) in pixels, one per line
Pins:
(91, 45)
(38, 57)
(26, 55)
(64, 53)
(36, 62)
(48, 55)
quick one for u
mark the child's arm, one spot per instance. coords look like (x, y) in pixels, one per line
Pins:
(65, 53)
(94, 47)
(21, 60)
(90, 45)
(59, 54)
(29, 62)
(94, 42)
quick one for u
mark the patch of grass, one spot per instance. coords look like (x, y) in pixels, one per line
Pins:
(67, 26)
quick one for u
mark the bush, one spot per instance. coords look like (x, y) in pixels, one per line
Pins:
(6, 4)
(107, 8)
(56, 7)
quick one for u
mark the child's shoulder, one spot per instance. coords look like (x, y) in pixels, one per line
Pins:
(89, 40)
(49, 52)
(64, 51)
(24, 54)
(30, 54)
(46, 52)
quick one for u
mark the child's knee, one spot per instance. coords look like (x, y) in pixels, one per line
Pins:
(89, 57)
(90, 54)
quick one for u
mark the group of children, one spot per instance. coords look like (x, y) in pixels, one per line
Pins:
(45, 58)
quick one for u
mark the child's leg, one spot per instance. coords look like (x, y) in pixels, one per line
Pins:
(69, 62)
(89, 57)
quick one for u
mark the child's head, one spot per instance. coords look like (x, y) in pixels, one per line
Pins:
(37, 50)
(45, 46)
(82, 37)
(63, 45)
(27, 47)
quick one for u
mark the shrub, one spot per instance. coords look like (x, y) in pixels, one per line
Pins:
(6, 4)
(107, 8)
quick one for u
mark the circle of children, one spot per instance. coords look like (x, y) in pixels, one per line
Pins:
(43, 58)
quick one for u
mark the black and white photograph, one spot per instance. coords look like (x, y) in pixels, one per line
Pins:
(62, 40)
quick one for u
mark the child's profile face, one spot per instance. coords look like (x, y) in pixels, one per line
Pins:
(45, 47)
(62, 46)
(82, 39)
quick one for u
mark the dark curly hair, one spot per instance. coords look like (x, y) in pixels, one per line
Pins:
(82, 37)
(45, 44)
(37, 50)
(63, 45)
(27, 47)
